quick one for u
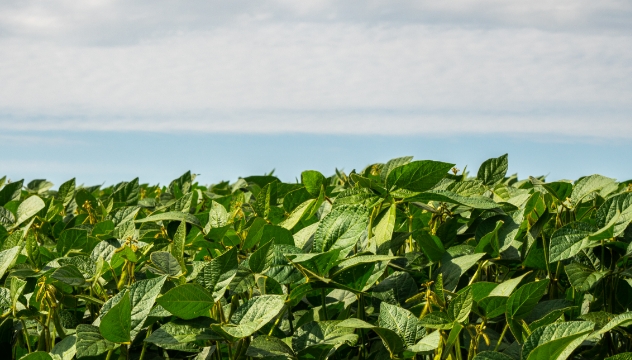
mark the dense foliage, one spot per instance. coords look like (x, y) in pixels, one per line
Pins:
(403, 260)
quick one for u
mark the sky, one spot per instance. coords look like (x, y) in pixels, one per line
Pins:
(110, 90)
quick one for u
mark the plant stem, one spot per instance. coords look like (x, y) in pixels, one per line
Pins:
(144, 350)
(26, 335)
(323, 298)
(502, 335)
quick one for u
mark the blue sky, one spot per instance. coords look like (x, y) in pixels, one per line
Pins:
(110, 90)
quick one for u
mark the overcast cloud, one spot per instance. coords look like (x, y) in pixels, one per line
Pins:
(350, 67)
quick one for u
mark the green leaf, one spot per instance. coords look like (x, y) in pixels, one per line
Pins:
(569, 240)
(588, 185)
(69, 274)
(492, 355)
(72, 239)
(66, 191)
(16, 288)
(430, 245)
(187, 301)
(65, 349)
(297, 214)
(418, 175)
(391, 340)
(166, 263)
(427, 344)
(11, 192)
(392, 164)
(142, 294)
(384, 229)
(341, 229)
(322, 333)
(492, 306)
(437, 320)
(582, 277)
(493, 170)
(90, 342)
(622, 356)
(473, 201)
(38, 355)
(396, 288)
(7, 259)
(403, 322)
(556, 341)
(453, 268)
(218, 273)
(172, 216)
(460, 307)
(507, 287)
(624, 319)
(522, 301)
(28, 208)
(258, 259)
(178, 334)
(266, 198)
(116, 324)
(319, 264)
(619, 207)
(177, 247)
(313, 181)
(252, 315)
(128, 193)
(489, 243)
(268, 346)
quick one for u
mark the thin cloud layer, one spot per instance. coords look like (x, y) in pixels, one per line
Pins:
(318, 67)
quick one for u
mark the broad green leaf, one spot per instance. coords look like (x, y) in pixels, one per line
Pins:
(38, 355)
(268, 346)
(622, 356)
(418, 175)
(556, 341)
(10, 192)
(453, 268)
(66, 192)
(313, 181)
(178, 334)
(427, 344)
(128, 193)
(493, 170)
(253, 315)
(72, 239)
(69, 274)
(619, 206)
(90, 342)
(218, 273)
(507, 287)
(297, 214)
(523, 300)
(392, 164)
(569, 240)
(588, 185)
(322, 332)
(460, 307)
(437, 320)
(492, 306)
(16, 288)
(430, 245)
(116, 324)
(266, 198)
(258, 259)
(166, 263)
(474, 201)
(7, 259)
(582, 277)
(65, 349)
(384, 229)
(187, 301)
(396, 288)
(391, 340)
(28, 208)
(142, 294)
(402, 322)
(177, 246)
(624, 319)
(172, 216)
(492, 355)
(341, 229)
(319, 264)
(489, 243)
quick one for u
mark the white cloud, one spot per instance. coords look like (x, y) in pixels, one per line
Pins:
(319, 67)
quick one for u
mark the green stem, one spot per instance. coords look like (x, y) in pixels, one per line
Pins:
(502, 335)
(26, 335)
(109, 355)
(144, 350)
(323, 298)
